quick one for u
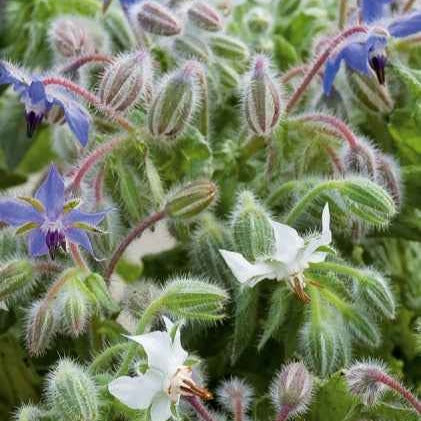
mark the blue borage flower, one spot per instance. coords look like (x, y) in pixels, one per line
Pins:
(39, 100)
(48, 220)
(367, 54)
(372, 10)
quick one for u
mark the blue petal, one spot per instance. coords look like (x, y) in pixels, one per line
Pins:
(78, 236)
(51, 193)
(406, 25)
(77, 215)
(36, 92)
(8, 77)
(77, 117)
(372, 10)
(355, 56)
(15, 213)
(36, 243)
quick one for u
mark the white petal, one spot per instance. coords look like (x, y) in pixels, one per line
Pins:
(246, 272)
(158, 348)
(161, 408)
(287, 243)
(179, 354)
(168, 324)
(3, 305)
(136, 392)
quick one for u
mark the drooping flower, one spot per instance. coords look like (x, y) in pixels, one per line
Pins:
(372, 10)
(290, 257)
(39, 100)
(48, 220)
(367, 54)
(166, 379)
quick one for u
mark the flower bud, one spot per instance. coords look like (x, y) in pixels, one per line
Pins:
(72, 393)
(229, 48)
(258, 20)
(175, 103)
(292, 389)
(188, 46)
(235, 395)
(262, 98)
(360, 159)
(191, 199)
(139, 295)
(228, 77)
(251, 227)
(73, 36)
(362, 327)
(388, 176)
(363, 381)
(16, 278)
(156, 18)
(100, 297)
(205, 17)
(29, 413)
(126, 80)
(41, 327)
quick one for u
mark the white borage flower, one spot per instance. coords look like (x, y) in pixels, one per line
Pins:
(166, 379)
(291, 256)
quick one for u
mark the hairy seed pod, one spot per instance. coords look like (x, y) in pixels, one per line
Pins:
(205, 17)
(41, 327)
(16, 278)
(251, 227)
(360, 159)
(175, 103)
(262, 98)
(189, 46)
(388, 176)
(72, 393)
(292, 389)
(127, 80)
(73, 36)
(229, 48)
(191, 199)
(235, 395)
(29, 413)
(156, 18)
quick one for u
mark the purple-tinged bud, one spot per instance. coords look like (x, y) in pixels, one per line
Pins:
(176, 102)
(291, 390)
(360, 159)
(262, 98)
(126, 80)
(388, 176)
(363, 380)
(235, 395)
(229, 48)
(156, 18)
(205, 17)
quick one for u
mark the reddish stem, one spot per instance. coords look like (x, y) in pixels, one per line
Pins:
(82, 60)
(283, 414)
(319, 63)
(200, 409)
(408, 6)
(292, 73)
(238, 408)
(91, 99)
(397, 387)
(99, 186)
(137, 231)
(335, 159)
(77, 257)
(90, 160)
(337, 125)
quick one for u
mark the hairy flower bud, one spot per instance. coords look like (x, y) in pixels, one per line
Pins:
(100, 296)
(205, 17)
(16, 278)
(73, 36)
(363, 380)
(156, 18)
(258, 20)
(227, 75)
(41, 327)
(262, 98)
(189, 46)
(126, 80)
(175, 103)
(292, 389)
(28, 413)
(388, 176)
(139, 295)
(191, 199)
(72, 393)
(235, 395)
(229, 48)
(251, 227)
(360, 159)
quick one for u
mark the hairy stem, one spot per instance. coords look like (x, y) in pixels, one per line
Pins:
(237, 405)
(91, 99)
(133, 234)
(199, 408)
(408, 6)
(90, 160)
(104, 359)
(283, 414)
(82, 60)
(313, 70)
(77, 257)
(99, 187)
(292, 73)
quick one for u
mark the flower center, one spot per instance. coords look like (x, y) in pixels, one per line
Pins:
(297, 282)
(55, 241)
(33, 120)
(181, 384)
(378, 63)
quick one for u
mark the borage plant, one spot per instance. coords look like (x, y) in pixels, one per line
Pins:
(225, 181)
